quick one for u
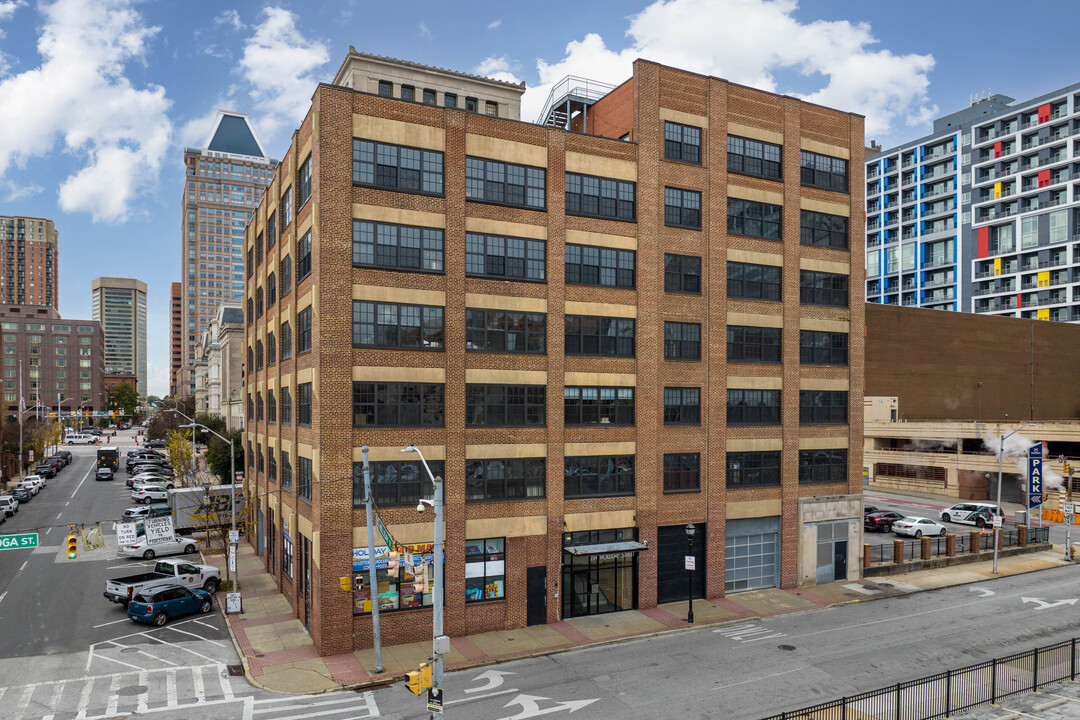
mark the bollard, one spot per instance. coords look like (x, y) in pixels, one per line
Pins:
(974, 537)
(950, 545)
(866, 548)
(898, 551)
(1021, 535)
(924, 548)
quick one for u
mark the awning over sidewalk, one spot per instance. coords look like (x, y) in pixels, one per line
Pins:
(601, 548)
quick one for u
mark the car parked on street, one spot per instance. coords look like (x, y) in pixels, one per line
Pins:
(140, 481)
(45, 470)
(104, 474)
(149, 494)
(9, 504)
(867, 509)
(173, 546)
(882, 520)
(918, 526)
(66, 454)
(22, 494)
(979, 514)
(159, 605)
(165, 573)
(29, 486)
(144, 511)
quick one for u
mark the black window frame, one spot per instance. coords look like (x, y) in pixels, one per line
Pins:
(271, 229)
(813, 290)
(753, 406)
(682, 473)
(596, 266)
(429, 331)
(505, 479)
(429, 93)
(818, 229)
(682, 208)
(303, 331)
(271, 464)
(682, 406)
(753, 344)
(483, 183)
(271, 406)
(258, 302)
(450, 100)
(383, 403)
(495, 331)
(271, 349)
(823, 407)
(386, 89)
(813, 171)
(286, 405)
(749, 218)
(408, 93)
(258, 354)
(286, 471)
(589, 405)
(504, 405)
(579, 202)
(753, 468)
(823, 347)
(676, 146)
(615, 470)
(505, 257)
(303, 478)
(738, 281)
(286, 207)
(304, 400)
(286, 340)
(424, 251)
(682, 274)
(423, 177)
(823, 466)
(285, 276)
(685, 346)
(303, 258)
(386, 477)
(303, 183)
(259, 406)
(757, 158)
(271, 290)
(599, 336)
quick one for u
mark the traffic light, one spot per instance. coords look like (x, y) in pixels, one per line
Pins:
(415, 682)
(72, 546)
(393, 565)
(358, 583)
(345, 583)
(425, 675)
(420, 578)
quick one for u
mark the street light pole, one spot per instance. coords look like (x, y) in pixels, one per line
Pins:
(194, 457)
(690, 530)
(232, 491)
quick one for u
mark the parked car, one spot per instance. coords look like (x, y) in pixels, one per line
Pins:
(9, 504)
(157, 606)
(146, 551)
(66, 454)
(45, 470)
(104, 474)
(918, 526)
(125, 426)
(882, 520)
(29, 487)
(155, 469)
(22, 494)
(166, 572)
(867, 509)
(38, 479)
(141, 481)
(60, 461)
(142, 511)
(979, 514)
(149, 493)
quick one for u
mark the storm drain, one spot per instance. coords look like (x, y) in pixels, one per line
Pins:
(130, 650)
(235, 670)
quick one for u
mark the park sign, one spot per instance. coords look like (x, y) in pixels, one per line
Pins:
(1035, 475)
(14, 542)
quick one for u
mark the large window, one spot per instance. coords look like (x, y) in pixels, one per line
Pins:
(271, 230)
(682, 273)
(682, 142)
(600, 197)
(271, 406)
(823, 230)
(271, 290)
(303, 184)
(818, 347)
(303, 478)
(505, 405)
(505, 184)
(401, 482)
(753, 469)
(505, 331)
(397, 404)
(286, 405)
(303, 330)
(303, 257)
(823, 171)
(394, 167)
(823, 407)
(286, 208)
(753, 344)
(754, 219)
(397, 247)
(485, 569)
(505, 257)
(753, 407)
(607, 267)
(286, 341)
(682, 472)
(682, 341)
(754, 157)
(271, 465)
(598, 405)
(592, 335)
(505, 479)
(415, 327)
(823, 288)
(682, 406)
(303, 404)
(823, 466)
(598, 476)
(285, 272)
(286, 472)
(682, 208)
(753, 282)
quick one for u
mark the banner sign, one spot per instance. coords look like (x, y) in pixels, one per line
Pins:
(1035, 475)
(423, 552)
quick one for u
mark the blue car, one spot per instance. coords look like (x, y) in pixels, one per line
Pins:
(160, 604)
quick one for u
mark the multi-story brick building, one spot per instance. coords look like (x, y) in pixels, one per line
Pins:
(678, 276)
(29, 265)
(119, 304)
(176, 335)
(225, 181)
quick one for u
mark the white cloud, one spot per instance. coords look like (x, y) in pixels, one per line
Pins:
(18, 192)
(497, 68)
(280, 64)
(423, 31)
(80, 98)
(231, 18)
(750, 42)
(195, 132)
(494, 24)
(8, 7)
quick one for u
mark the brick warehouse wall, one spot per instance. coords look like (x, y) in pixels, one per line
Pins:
(329, 521)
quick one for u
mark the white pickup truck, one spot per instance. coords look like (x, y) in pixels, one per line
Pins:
(166, 572)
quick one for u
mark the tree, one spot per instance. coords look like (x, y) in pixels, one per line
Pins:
(125, 399)
(178, 449)
(214, 422)
(217, 455)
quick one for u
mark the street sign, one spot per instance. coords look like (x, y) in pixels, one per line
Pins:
(387, 538)
(158, 529)
(1068, 508)
(690, 565)
(126, 534)
(14, 542)
(233, 603)
(997, 521)
(434, 699)
(232, 558)
(1035, 475)
(234, 536)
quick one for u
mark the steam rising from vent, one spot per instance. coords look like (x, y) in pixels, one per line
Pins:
(1016, 448)
(919, 445)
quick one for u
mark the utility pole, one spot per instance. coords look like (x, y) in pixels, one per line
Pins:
(373, 579)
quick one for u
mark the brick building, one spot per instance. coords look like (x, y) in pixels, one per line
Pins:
(176, 335)
(30, 264)
(420, 272)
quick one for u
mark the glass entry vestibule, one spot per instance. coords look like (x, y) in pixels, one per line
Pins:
(599, 572)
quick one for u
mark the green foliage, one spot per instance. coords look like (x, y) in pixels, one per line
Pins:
(214, 422)
(217, 455)
(125, 399)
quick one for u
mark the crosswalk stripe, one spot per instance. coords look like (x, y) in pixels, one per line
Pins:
(196, 678)
(142, 697)
(84, 698)
(114, 699)
(223, 680)
(304, 716)
(170, 687)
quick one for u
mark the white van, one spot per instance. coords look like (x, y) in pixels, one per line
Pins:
(79, 439)
(976, 513)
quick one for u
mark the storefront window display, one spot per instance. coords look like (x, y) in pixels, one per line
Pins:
(485, 569)
(393, 593)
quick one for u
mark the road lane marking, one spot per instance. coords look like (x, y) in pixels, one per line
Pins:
(479, 697)
(226, 687)
(758, 679)
(22, 567)
(58, 515)
(111, 623)
(299, 703)
(199, 637)
(82, 481)
(48, 530)
(2, 596)
(84, 698)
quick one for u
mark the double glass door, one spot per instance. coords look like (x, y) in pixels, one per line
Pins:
(596, 584)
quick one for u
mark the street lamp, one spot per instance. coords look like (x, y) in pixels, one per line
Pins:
(437, 640)
(690, 530)
(1001, 455)
(232, 490)
(192, 426)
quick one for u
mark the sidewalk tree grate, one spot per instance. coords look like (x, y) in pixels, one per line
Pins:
(235, 670)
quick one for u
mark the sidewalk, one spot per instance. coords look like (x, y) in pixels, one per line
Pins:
(278, 653)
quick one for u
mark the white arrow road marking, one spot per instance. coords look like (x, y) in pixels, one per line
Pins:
(494, 679)
(983, 592)
(1044, 604)
(530, 706)
(862, 589)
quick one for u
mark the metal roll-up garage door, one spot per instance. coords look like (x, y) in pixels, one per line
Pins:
(752, 554)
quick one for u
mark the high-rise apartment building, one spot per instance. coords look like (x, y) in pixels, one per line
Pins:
(119, 304)
(981, 215)
(225, 181)
(176, 335)
(29, 265)
(595, 337)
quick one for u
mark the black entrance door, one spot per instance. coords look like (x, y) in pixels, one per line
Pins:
(305, 574)
(671, 573)
(536, 589)
(840, 560)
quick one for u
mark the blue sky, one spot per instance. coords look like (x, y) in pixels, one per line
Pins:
(99, 97)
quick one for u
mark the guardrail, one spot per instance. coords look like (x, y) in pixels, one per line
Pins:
(912, 549)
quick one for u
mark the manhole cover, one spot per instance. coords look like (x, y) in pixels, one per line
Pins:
(132, 690)
(130, 650)
(235, 670)
(786, 647)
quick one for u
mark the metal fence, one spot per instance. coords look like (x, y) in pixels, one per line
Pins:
(1010, 537)
(938, 696)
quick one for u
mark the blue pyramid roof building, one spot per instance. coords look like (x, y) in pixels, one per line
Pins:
(233, 134)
